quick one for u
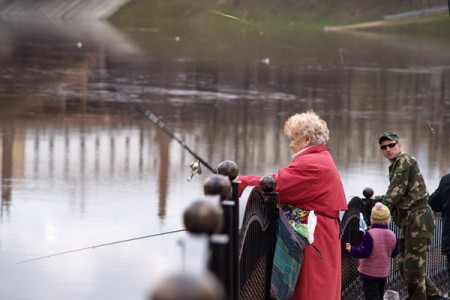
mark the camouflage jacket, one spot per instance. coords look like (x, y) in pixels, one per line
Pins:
(407, 191)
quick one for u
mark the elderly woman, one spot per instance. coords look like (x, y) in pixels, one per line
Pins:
(312, 182)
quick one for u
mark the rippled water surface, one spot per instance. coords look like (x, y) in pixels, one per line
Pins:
(82, 167)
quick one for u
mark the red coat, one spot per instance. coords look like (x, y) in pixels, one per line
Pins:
(311, 181)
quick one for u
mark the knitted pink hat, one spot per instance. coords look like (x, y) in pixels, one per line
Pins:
(380, 214)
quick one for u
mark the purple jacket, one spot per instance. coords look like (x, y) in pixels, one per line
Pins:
(379, 245)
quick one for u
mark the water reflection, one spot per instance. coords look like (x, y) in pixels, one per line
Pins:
(80, 166)
(7, 166)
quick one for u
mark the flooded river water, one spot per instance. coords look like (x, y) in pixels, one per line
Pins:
(82, 167)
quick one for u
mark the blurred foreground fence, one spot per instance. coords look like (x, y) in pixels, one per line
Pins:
(231, 242)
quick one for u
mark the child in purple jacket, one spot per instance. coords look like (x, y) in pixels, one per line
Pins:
(379, 245)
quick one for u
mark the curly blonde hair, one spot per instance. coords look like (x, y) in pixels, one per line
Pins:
(307, 124)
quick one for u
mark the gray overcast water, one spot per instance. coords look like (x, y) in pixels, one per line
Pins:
(82, 167)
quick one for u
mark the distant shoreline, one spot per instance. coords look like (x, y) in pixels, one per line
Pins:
(390, 19)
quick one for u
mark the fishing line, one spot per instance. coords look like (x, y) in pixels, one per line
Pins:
(157, 121)
(98, 246)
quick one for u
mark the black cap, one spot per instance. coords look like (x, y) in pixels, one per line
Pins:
(390, 135)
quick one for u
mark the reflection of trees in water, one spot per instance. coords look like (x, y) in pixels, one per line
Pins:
(251, 133)
(7, 166)
(390, 100)
(439, 119)
(360, 99)
(99, 140)
(163, 176)
(79, 151)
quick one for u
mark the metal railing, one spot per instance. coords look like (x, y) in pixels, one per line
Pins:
(257, 232)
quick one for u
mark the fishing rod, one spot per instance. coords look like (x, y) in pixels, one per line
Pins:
(195, 166)
(98, 246)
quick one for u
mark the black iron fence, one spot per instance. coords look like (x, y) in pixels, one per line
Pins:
(237, 245)
(250, 224)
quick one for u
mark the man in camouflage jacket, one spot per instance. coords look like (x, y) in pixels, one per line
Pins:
(407, 198)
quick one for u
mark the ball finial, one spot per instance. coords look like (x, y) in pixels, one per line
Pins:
(218, 185)
(228, 168)
(267, 184)
(368, 192)
(188, 286)
(202, 216)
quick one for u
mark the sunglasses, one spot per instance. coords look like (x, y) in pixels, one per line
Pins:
(391, 145)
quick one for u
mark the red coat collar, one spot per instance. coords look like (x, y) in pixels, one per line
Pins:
(313, 149)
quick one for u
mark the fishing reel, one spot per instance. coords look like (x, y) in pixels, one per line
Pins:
(195, 169)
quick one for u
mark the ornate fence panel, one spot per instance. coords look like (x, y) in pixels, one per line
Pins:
(257, 225)
(350, 224)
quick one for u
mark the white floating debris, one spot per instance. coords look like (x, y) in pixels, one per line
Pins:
(266, 60)
(177, 39)
(79, 45)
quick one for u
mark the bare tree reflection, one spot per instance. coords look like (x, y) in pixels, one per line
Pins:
(7, 165)
(164, 163)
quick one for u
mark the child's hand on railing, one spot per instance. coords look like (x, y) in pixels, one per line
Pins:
(348, 247)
